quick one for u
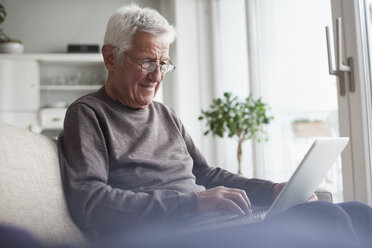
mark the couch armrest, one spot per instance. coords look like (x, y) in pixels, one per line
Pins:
(324, 195)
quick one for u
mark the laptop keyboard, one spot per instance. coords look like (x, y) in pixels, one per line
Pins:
(214, 221)
(254, 217)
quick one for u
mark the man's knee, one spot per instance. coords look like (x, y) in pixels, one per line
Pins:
(361, 217)
(356, 207)
(317, 209)
(318, 217)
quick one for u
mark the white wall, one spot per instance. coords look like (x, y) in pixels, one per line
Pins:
(47, 26)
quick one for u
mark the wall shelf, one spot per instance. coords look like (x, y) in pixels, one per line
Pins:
(70, 87)
(42, 80)
(57, 57)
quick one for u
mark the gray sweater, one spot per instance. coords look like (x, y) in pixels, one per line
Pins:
(123, 166)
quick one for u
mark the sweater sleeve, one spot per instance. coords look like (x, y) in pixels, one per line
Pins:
(93, 204)
(259, 191)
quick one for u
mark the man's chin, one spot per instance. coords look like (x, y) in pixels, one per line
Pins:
(145, 102)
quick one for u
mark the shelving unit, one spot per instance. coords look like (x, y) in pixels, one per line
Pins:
(57, 57)
(31, 83)
(70, 87)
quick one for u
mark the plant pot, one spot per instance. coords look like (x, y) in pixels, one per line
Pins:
(12, 46)
(310, 129)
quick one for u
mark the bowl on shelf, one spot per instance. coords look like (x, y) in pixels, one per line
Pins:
(56, 105)
(11, 47)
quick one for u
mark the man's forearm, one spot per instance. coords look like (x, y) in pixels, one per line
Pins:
(259, 191)
(99, 207)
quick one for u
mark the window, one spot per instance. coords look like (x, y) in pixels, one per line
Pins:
(288, 67)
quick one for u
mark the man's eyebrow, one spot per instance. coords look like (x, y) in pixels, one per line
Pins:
(153, 58)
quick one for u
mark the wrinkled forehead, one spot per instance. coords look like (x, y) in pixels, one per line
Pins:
(151, 45)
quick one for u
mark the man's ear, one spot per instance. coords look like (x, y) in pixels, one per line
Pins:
(108, 56)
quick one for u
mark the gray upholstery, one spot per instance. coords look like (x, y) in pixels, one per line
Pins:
(31, 194)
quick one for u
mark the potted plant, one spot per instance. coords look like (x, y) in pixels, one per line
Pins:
(8, 45)
(242, 120)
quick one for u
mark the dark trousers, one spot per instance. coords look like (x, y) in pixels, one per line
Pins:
(309, 225)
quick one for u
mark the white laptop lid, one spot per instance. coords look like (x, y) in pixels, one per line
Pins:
(309, 173)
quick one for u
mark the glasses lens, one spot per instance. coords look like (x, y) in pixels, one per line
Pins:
(151, 67)
(166, 68)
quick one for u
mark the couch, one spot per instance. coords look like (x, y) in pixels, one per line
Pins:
(31, 193)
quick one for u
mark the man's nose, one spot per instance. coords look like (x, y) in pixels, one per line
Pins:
(156, 76)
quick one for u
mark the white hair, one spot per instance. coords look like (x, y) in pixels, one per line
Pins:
(126, 21)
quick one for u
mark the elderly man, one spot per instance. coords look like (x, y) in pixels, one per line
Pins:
(127, 159)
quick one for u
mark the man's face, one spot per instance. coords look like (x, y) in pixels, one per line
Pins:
(129, 84)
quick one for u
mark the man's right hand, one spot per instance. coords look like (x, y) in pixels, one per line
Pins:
(224, 199)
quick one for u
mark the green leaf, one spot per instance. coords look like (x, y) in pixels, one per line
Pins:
(2, 13)
(235, 118)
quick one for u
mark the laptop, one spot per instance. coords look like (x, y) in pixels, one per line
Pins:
(303, 182)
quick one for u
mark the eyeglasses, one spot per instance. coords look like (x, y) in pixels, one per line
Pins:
(151, 66)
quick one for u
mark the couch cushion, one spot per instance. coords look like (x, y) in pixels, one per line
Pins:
(31, 193)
